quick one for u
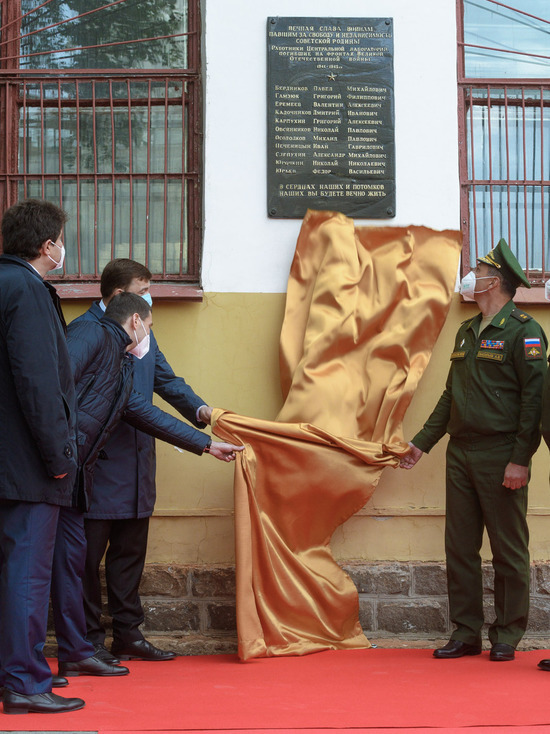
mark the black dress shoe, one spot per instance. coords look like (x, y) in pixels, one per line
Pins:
(91, 666)
(39, 703)
(456, 649)
(502, 651)
(544, 665)
(140, 650)
(102, 653)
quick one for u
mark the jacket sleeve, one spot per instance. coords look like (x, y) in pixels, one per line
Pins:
(531, 374)
(146, 417)
(176, 391)
(436, 426)
(32, 335)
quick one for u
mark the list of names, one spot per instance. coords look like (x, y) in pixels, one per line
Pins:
(330, 117)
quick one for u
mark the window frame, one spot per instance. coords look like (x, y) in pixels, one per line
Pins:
(466, 85)
(183, 285)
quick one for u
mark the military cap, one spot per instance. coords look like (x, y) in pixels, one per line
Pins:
(502, 258)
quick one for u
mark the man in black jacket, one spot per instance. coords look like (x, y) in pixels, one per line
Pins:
(117, 522)
(103, 374)
(37, 449)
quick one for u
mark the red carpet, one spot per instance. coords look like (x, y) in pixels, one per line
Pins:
(364, 690)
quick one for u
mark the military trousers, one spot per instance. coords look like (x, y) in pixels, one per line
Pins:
(476, 499)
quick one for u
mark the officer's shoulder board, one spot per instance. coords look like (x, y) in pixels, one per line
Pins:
(520, 315)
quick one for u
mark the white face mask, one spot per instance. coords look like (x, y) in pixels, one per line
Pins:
(147, 298)
(547, 290)
(142, 347)
(58, 263)
(469, 282)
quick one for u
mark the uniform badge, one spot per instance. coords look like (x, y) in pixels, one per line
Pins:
(533, 348)
(491, 344)
(491, 356)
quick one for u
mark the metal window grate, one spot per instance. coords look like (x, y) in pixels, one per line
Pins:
(504, 131)
(505, 170)
(119, 149)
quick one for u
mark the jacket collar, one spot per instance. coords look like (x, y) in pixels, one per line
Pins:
(499, 320)
(96, 310)
(15, 260)
(117, 331)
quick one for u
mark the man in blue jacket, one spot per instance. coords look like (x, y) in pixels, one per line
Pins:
(124, 488)
(37, 449)
(103, 374)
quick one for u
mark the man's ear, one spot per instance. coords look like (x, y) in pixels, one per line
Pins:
(45, 247)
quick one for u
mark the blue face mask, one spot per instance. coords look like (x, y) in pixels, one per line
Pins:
(147, 298)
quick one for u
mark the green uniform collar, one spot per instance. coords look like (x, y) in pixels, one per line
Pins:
(499, 320)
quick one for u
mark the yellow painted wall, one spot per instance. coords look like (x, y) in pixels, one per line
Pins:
(227, 349)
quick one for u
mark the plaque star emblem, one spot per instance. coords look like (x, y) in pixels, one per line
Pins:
(332, 77)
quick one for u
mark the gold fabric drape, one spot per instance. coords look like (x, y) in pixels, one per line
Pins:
(364, 308)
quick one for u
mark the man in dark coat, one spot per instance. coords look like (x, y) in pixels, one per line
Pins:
(124, 487)
(103, 375)
(37, 449)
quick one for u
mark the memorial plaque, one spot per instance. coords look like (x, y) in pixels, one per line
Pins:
(331, 132)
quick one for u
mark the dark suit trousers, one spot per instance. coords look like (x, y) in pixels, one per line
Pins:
(67, 594)
(27, 538)
(126, 544)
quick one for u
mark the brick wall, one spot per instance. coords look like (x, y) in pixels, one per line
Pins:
(191, 609)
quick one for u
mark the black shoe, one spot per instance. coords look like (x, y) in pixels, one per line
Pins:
(59, 682)
(544, 665)
(103, 654)
(39, 703)
(91, 666)
(456, 649)
(502, 651)
(140, 650)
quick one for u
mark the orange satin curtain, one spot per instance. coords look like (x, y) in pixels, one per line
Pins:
(364, 308)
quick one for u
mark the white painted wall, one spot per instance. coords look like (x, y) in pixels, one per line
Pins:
(244, 250)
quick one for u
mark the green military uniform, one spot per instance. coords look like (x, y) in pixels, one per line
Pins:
(491, 407)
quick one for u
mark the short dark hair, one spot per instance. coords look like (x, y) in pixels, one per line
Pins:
(28, 224)
(120, 273)
(124, 305)
(506, 285)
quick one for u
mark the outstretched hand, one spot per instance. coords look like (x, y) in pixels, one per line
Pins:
(224, 451)
(411, 457)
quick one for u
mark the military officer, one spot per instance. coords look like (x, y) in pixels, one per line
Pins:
(491, 409)
(545, 430)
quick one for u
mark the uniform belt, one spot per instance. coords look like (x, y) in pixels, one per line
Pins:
(482, 442)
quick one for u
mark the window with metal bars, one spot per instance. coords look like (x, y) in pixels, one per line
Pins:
(100, 107)
(504, 130)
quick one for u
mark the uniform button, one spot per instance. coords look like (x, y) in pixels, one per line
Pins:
(68, 452)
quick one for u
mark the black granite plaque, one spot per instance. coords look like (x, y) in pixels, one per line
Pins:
(330, 117)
